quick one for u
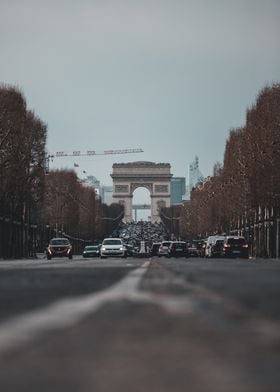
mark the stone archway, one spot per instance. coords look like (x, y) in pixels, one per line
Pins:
(155, 177)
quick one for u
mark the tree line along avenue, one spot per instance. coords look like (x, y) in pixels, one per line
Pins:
(241, 197)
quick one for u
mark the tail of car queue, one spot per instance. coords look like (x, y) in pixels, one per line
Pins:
(226, 247)
(216, 246)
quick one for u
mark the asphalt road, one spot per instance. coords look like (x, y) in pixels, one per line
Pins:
(140, 325)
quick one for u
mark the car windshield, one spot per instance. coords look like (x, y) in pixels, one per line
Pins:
(179, 245)
(112, 242)
(236, 241)
(59, 241)
(166, 244)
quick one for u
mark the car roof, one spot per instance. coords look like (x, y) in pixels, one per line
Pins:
(112, 238)
(235, 236)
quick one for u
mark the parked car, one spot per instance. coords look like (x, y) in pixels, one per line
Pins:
(91, 251)
(112, 247)
(154, 248)
(163, 248)
(235, 246)
(211, 240)
(178, 249)
(59, 247)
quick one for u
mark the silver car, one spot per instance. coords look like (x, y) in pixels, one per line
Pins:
(163, 249)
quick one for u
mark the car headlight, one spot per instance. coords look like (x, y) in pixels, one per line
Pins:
(103, 248)
(121, 248)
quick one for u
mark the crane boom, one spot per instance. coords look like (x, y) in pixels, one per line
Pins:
(60, 154)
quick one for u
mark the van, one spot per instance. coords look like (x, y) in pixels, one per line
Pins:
(210, 250)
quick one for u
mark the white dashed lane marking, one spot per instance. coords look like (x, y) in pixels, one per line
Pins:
(22, 329)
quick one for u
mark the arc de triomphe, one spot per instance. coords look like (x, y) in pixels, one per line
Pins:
(155, 177)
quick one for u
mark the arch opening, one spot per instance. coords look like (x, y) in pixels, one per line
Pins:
(141, 204)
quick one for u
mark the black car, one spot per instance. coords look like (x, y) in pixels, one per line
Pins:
(178, 249)
(91, 251)
(59, 247)
(216, 248)
(192, 250)
(129, 249)
(235, 246)
(154, 248)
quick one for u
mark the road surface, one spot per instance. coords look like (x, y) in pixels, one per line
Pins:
(139, 325)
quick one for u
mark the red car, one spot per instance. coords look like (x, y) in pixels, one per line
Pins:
(59, 247)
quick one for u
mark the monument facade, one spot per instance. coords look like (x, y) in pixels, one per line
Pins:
(155, 177)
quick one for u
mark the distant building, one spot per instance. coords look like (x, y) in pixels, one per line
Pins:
(106, 194)
(92, 181)
(194, 177)
(178, 189)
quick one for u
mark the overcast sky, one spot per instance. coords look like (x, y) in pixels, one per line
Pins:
(169, 76)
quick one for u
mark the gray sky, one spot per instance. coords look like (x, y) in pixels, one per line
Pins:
(168, 76)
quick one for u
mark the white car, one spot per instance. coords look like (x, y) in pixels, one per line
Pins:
(112, 247)
(163, 249)
(211, 241)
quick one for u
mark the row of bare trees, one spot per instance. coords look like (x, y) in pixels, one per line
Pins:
(243, 195)
(34, 205)
(22, 154)
(72, 209)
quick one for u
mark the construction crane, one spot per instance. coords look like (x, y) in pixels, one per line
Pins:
(61, 154)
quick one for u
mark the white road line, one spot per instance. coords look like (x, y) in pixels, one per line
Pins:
(20, 330)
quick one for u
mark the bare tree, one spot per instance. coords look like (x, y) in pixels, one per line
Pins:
(22, 151)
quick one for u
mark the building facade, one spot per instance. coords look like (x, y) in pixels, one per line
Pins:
(178, 189)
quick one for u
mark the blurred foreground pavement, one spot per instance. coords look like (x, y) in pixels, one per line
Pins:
(193, 326)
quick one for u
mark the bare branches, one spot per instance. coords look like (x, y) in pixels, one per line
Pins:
(22, 137)
(250, 176)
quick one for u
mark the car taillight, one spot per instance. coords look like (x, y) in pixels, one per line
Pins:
(245, 246)
(226, 245)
